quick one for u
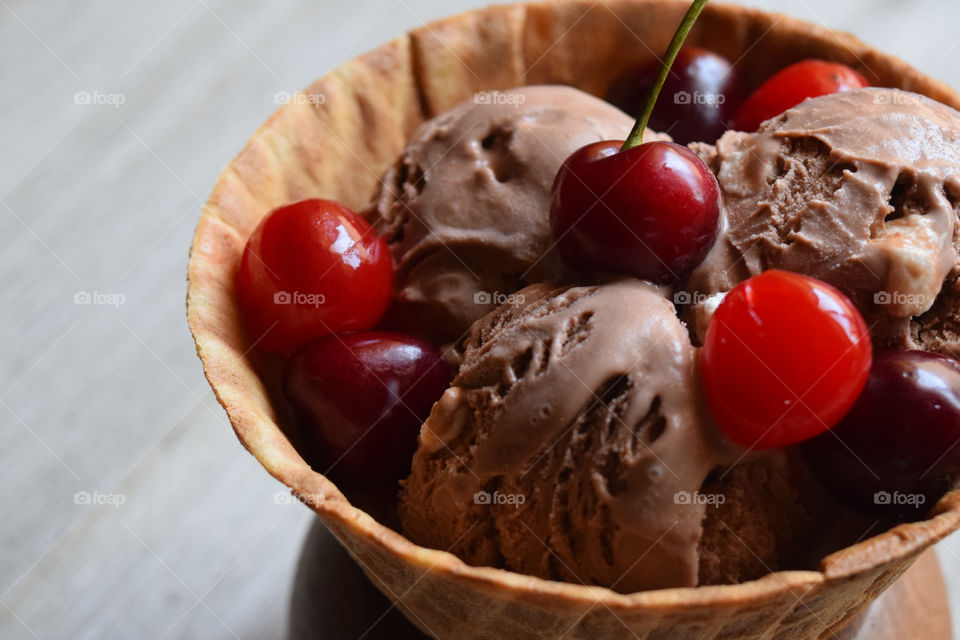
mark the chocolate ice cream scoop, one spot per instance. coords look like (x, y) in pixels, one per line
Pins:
(859, 189)
(573, 445)
(466, 207)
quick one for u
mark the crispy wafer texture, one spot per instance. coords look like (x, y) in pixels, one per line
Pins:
(337, 138)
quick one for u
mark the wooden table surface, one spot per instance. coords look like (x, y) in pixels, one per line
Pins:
(128, 508)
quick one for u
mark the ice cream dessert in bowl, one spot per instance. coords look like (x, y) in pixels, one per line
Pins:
(610, 384)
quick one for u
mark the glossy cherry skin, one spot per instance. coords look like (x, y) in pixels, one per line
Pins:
(360, 399)
(651, 211)
(783, 359)
(312, 268)
(792, 85)
(698, 99)
(898, 449)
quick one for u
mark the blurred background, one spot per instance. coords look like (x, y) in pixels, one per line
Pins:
(129, 509)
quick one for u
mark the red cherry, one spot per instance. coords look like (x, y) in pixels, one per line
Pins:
(790, 86)
(312, 268)
(701, 95)
(898, 449)
(783, 359)
(360, 399)
(651, 211)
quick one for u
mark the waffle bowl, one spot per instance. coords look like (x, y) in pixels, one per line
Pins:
(338, 147)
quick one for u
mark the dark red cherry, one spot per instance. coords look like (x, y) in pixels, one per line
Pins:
(651, 211)
(898, 449)
(699, 98)
(312, 268)
(360, 399)
(783, 359)
(792, 85)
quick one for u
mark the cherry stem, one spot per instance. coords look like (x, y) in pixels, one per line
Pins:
(636, 134)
